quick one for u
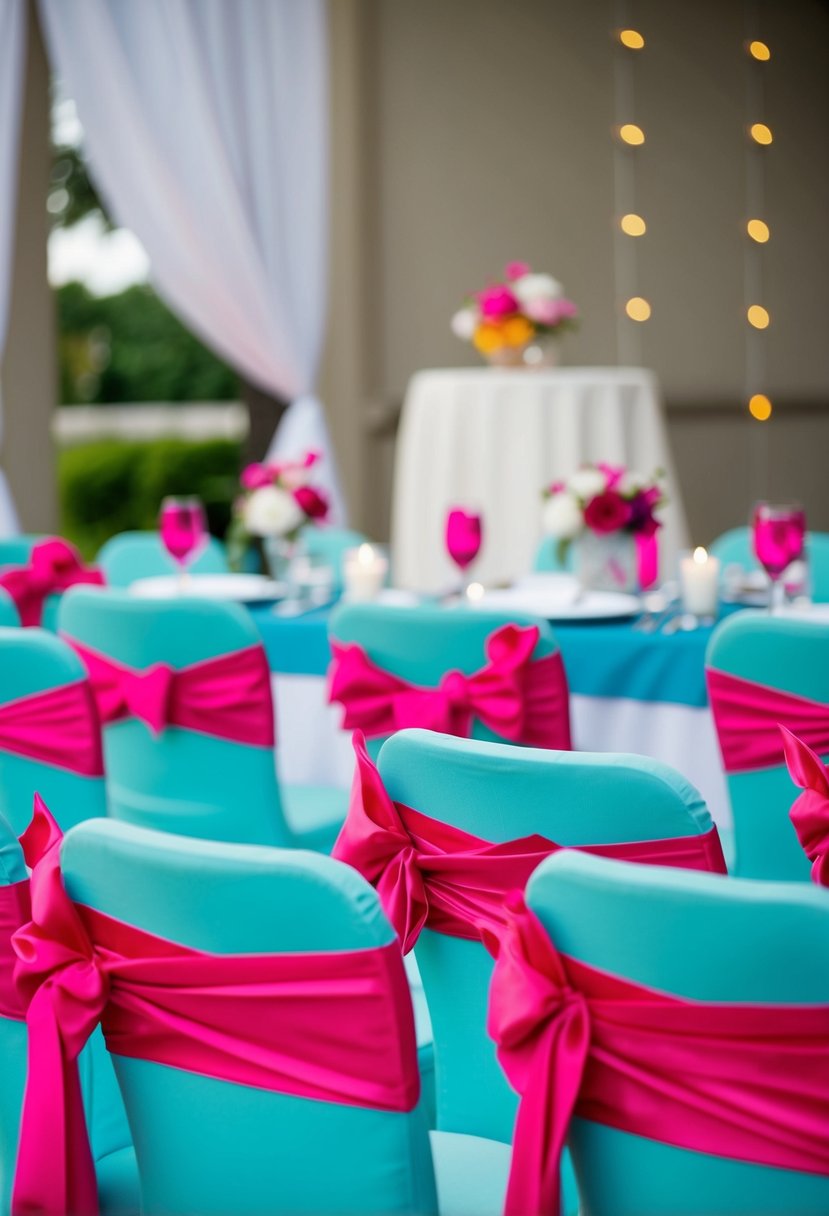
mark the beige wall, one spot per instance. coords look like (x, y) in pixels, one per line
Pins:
(484, 133)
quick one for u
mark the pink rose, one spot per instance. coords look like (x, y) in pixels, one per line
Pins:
(613, 472)
(549, 312)
(497, 301)
(516, 270)
(607, 512)
(312, 502)
(254, 476)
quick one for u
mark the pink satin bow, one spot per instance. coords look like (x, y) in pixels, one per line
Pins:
(429, 873)
(742, 1081)
(58, 726)
(810, 811)
(228, 696)
(747, 715)
(521, 700)
(54, 565)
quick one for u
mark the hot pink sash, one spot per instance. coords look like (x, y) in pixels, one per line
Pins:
(747, 1082)
(57, 726)
(229, 696)
(54, 565)
(747, 716)
(810, 811)
(523, 700)
(336, 1026)
(15, 910)
(432, 874)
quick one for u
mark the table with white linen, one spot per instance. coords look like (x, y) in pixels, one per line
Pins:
(491, 440)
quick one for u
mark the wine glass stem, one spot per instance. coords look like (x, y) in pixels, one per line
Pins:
(777, 599)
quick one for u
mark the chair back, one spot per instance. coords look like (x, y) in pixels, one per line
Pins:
(13, 1037)
(789, 655)
(214, 1146)
(9, 615)
(421, 644)
(500, 793)
(15, 550)
(33, 661)
(734, 548)
(131, 555)
(702, 938)
(180, 780)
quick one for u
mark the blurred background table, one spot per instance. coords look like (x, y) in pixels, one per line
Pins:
(491, 440)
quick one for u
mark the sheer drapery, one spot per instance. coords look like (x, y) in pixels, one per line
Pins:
(206, 131)
(12, 71)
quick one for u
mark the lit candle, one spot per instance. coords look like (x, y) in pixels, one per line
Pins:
(475, 593)
(364, 572)
(699, 577)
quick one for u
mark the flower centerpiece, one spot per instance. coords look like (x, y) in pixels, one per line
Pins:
(276, 502)
(514, 323)
(609, 515)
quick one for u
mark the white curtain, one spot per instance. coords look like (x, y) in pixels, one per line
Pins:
(12, 72)
(206, 131)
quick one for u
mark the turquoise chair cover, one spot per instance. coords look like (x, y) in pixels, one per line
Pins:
(791, 655)
(183, 781)
(734, 548)
(329, 545)
(704, 938)
(8, 613)
(215, 1147)
(501, 792)
(421, 644)
(15, 550)
(132, 555)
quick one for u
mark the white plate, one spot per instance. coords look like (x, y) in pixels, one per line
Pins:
(238, 588)
(563, 603)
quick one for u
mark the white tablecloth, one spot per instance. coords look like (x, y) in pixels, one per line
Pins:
(491, 440)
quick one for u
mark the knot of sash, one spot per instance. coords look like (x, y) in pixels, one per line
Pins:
(54, 565)
(228, 696)
(810, 810)
(515, 697)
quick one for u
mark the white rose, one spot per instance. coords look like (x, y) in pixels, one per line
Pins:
(270, 511)
(537, 286)
(587, 483)
(464, 323)
(562, 516)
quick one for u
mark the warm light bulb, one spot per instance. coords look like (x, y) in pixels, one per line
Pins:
(760, 407)
(760, 133)
(633, 225)
(758, 230)
(638, 309)
(632, 39)
(700, 555)
(629, 133)
(759, 50)
(758, 316)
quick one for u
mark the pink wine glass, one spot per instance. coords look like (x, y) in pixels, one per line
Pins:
(464, 533)
(779, 536)
(183, 530)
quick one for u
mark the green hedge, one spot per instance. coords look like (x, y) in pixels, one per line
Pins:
(111, 486)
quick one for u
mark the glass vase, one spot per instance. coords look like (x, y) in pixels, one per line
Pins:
(280, 555)
(606, 561)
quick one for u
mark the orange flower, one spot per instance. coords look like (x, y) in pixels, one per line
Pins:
(517, 331)
(488, 338)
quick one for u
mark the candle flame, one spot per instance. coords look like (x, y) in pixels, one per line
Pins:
(700, 555)
(365, 555)
(475, 592)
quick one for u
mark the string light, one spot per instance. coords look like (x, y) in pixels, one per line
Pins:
(759, 407)
(759, 50)
(760, 133)
(632, 39)
(758, 316)
(629, 133)
(633, 225)
(638, 308)
(758, 230)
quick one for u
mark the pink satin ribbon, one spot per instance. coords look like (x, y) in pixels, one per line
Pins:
(810, 811)
(747, 715)
(229, 696)
(746, 1082)
(54, 565)
(647, 558)
(15, 910)
(333, 1026)
(520, 699)
(431, 874)
(58, 726)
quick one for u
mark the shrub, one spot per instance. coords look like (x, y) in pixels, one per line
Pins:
(111, 486)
